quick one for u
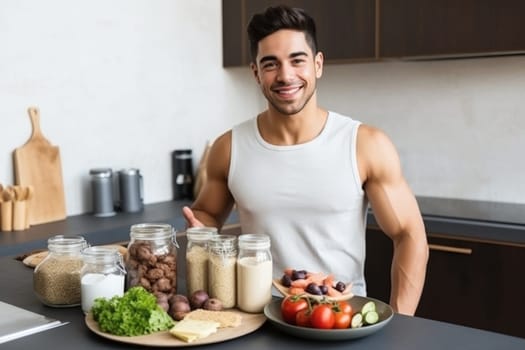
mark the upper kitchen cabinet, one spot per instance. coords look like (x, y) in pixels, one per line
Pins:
(449, 28)
(345, 28)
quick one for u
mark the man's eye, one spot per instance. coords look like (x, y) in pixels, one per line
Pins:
(269, 65)
(298, 61)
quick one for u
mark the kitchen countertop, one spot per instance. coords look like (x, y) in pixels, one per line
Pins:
(402, 332)
(490, 221)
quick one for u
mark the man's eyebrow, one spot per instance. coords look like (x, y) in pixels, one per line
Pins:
(274, 58)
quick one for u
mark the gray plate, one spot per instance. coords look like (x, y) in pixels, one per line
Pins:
(273, 312)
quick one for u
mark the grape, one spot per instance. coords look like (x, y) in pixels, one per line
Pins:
(340, 286)
(324, 289)
(313, 288)
(298, 275)
(286, 281)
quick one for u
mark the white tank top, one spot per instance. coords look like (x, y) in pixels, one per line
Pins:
(308, 198)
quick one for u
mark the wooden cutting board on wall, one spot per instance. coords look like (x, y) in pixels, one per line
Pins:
(37, 163)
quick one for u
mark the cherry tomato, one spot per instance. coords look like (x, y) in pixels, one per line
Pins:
(322, 317)
(344, 307)
(342, 320)
(302, 318)
(290, 306)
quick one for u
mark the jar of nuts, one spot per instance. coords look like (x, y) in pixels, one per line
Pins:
(151, 259)
(56, 280)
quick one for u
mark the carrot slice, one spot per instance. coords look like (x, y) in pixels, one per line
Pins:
(295, 290)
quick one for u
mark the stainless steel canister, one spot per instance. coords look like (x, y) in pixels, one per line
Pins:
(130, 190)
(102, 191)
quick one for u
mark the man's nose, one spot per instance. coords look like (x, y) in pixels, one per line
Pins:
(285, 72)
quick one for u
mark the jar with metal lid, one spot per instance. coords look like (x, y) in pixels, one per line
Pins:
(56, 279)
(254, 272)
(101, 276)
(221, 269)
(197, 258)
(151, 260)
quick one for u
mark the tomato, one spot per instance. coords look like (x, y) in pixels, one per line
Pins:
(302, 318)
(344, 307)
(291, 305)
(322, 317)
(342, 320)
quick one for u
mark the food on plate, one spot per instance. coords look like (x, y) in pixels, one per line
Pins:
(212, 304)
(306, 311)
(198, 298)
(224, 318)
(297, 282)
(189, 330)
(367, 316)
(134, 313)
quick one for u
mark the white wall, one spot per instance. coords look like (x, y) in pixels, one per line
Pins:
(124, 83)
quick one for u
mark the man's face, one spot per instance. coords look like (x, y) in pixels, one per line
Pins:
(286, 70)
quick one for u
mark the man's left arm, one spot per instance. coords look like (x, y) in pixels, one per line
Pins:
(397, 213)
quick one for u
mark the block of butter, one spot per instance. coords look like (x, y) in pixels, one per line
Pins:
(190, 330)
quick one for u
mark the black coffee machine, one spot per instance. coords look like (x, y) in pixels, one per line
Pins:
(182, 164)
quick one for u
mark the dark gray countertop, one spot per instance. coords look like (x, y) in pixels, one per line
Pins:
(478, 220)
(498, 222)
(403, 333)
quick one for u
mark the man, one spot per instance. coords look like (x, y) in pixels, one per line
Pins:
(305, 176)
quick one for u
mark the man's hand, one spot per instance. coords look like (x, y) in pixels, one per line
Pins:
(191, 220)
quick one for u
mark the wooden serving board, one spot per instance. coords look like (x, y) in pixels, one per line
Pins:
(37, 163)
(249, 323)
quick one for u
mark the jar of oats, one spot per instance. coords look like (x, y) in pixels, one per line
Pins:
(197, 258)
(222, 269)
(56, 280)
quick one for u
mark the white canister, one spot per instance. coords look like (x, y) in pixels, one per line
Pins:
(102, 275)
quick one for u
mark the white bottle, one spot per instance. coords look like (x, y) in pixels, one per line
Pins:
(254, 272)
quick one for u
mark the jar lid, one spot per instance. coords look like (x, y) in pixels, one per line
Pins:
(201, 233)
(254, 241)
(66, 243)
(101, 255)
(223, 242)
(101, 172)
(151, 231)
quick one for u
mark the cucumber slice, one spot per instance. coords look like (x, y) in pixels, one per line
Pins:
(371, 317)
(369, 306)
(357, 320)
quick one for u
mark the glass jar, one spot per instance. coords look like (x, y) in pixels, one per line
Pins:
(197, 258)
(151, 260)
(56, 279)
(254, 272)
(102, 275)
(221, 269)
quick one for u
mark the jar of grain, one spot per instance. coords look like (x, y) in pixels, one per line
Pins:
(151, 259)
(254, 272)
(56, 280)
(197, 258)
(221, 269)
(102, 275)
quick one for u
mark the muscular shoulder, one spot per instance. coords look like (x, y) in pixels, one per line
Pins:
(219, 157)
(376, 154)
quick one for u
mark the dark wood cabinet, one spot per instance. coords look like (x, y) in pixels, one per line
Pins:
(471, 283)
(411, 28)
(369, 30)
(345, 28)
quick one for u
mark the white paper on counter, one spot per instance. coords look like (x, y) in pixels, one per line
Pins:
(16, 322)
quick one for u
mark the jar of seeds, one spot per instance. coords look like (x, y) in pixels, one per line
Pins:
(197, 258)
(56, 280)
(222, 269)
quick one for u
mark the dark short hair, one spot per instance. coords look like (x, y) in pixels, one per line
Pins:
(280, 17)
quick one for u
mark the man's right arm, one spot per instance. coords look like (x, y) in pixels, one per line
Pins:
(214, 202)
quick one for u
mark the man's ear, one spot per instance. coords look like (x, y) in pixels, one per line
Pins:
(319, 59)
(255, 72)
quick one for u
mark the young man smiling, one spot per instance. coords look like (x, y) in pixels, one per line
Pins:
(305, 175)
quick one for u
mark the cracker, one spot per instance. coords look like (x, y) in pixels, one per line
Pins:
(225, 318)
